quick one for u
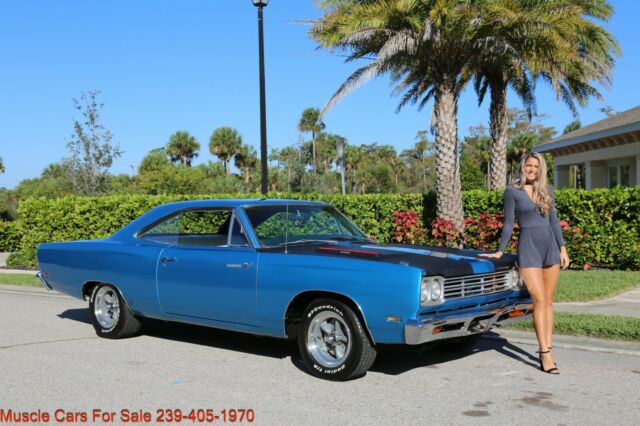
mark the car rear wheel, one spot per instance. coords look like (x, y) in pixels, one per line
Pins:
(110, 314)
(333, 343)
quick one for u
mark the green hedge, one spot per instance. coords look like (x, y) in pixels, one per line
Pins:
(606, 222)
(9, 236)
(83, 218)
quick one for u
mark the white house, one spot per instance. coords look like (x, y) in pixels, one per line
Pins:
(609, 150)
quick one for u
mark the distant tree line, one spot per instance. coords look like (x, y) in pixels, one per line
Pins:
(306, 166)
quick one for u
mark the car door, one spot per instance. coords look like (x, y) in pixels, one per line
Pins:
(210, 269)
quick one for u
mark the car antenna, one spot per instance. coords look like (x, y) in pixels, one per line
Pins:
(286, 230)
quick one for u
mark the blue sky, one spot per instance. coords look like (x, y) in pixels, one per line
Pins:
(168, 65)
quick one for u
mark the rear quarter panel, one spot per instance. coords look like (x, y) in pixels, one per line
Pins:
(130, 267)
(379, 289)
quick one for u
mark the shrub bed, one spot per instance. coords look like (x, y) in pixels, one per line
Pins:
(602, 227)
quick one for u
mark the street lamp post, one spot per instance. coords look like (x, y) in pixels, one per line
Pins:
(264, 184)
(340, 148)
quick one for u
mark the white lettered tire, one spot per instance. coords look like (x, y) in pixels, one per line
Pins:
(333, 343)
(110, 314)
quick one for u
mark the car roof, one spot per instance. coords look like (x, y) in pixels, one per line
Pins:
(240, 203)
(128, 231)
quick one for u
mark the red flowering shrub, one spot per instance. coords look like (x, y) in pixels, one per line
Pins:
(444, 233)
(484, 232)
(407, 228)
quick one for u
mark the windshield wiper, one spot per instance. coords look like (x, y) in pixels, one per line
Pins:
(288, 243)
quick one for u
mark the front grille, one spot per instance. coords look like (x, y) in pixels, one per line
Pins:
(475, 285)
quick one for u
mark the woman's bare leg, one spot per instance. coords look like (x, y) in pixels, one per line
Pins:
(550, 276)
(534, 280)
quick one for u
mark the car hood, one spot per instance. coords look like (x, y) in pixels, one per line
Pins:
(443, 261)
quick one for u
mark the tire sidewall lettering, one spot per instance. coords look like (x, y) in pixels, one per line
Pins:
(319, 369)
(102, 330)
(319, 308)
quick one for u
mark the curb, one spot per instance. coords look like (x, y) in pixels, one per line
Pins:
(588, 344)
(18, 271)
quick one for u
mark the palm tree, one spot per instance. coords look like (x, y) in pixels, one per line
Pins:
(225, 142)
(246, 160)
(356, 161)
(310, 122)
(557, 41)
(386, 154)
(182, 147)
(1, 166)
(425, 47)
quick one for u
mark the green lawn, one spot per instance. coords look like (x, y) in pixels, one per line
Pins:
(574, 286)
(583, 286)
(20, 279)
(590, 325)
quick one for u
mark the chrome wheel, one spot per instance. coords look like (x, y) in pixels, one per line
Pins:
(328, 339)
(106, 307)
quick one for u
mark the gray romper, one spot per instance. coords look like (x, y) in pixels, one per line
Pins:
(540, 236)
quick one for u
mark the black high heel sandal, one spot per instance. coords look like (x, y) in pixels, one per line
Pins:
(552, 370)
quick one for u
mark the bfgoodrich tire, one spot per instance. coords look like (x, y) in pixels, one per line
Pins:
(333, 343)
(110, 314)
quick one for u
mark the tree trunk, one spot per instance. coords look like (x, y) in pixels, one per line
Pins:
(227, 167)
(313, 149)
(449, 205)
(499, 127)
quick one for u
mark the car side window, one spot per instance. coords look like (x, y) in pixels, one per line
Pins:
(238, 238)
(196, 228)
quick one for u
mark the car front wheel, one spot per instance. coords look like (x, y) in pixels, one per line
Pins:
(110, 314)
(333, 343)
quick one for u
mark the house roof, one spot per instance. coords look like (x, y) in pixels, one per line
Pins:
(623, 122)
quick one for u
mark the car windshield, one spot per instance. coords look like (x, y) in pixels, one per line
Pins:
(300, 224)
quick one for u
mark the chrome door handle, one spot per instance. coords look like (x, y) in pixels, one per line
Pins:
(244, 265)
(167, 259)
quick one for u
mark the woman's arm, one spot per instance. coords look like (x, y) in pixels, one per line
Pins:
(557, 231)
(553, 220)
(509, 218)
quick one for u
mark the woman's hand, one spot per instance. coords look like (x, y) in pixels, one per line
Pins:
(564, 258)
(496, 255)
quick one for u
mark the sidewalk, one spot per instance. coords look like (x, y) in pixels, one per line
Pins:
(3, 265)
(16, 271)
(625, 304)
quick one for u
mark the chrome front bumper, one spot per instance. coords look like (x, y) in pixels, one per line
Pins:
(43, 282)
(465, 322)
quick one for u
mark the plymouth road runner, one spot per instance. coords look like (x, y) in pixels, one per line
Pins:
(289, 269)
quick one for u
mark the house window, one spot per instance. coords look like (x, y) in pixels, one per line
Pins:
(613, 176)
(619, 174)
(624, 175)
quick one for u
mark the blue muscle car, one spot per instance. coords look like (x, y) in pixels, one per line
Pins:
(289, 269)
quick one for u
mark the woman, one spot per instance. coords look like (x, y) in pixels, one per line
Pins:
(541, 249)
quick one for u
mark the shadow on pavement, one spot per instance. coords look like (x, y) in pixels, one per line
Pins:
(216, 338)
(398, 360)
(391, 359)
(80, 315)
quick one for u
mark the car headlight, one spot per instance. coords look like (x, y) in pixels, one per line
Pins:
(514, 280)
(431, 290)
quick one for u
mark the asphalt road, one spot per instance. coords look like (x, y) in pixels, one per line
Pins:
(50, 359)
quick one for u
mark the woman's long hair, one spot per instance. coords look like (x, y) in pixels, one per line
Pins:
(541, 196)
